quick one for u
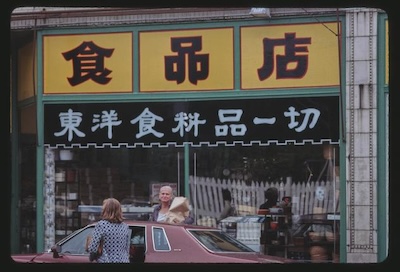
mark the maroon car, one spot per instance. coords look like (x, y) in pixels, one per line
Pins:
(153, 242)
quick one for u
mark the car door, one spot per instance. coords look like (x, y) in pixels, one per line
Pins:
(158, 246)
(138, 244)
(173, 244)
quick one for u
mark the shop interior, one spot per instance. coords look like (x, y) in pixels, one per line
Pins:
(84, 177)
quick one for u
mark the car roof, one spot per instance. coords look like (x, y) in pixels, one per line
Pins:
(131, 222)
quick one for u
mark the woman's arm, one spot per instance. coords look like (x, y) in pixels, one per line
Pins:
(94, 244)
(95, 241)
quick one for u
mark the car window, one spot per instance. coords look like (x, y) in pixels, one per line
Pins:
(75, 244)
(138, 236)
(160, 241)
(218, 241)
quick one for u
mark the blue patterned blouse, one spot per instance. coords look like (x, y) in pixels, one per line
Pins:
(116, 241)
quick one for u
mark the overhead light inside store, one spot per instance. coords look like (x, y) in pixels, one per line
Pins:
(260, 12)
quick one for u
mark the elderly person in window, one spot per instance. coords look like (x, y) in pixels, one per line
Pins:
(161, 210)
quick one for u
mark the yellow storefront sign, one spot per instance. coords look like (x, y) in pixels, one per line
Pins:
(186, 60)
(87, 63)
(289, 56)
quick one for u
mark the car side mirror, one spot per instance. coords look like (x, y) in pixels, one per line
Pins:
(56, 249)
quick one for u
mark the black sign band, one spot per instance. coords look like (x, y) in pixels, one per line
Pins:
(218, 122)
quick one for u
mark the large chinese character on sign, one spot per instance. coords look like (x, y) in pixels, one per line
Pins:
(89, 63)
(186, 60)
(292, 46)
(186, 49)
(289, 56)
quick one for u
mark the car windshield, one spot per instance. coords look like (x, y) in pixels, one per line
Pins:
(218, 241)
(75, 243)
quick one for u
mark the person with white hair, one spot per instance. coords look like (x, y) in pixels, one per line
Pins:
(160, 211)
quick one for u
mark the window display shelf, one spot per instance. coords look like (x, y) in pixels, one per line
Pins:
(276, 236)
(67, 198)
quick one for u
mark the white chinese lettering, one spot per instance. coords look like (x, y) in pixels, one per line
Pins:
(147, 120)
(70, 121)
(230, 115)
(186, 122)
(292, 113)
(258, 120)
(106, 119)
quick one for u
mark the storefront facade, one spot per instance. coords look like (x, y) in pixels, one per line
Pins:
(241, 103)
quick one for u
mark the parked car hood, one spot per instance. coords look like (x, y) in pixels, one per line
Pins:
(23, 258)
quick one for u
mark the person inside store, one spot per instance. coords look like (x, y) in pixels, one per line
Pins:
(229, 209)
(161, 210)
(111, 234)
(271, 199)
